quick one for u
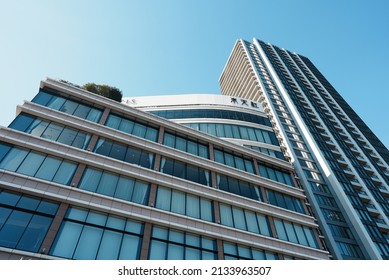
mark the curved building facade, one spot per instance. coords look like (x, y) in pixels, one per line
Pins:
(85, 177)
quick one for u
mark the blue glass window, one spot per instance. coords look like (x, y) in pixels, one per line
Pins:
(67, 106)
(214, 114)
(132, 127)
(169, 244)
(93, 235)
(125, 153)
(276, 175)
(244, 219)
(32, 163)
(236, 131)
(235, 186)
(51, 131)
(185, 204)
(185, 171)
(114, 185)
(295, 233)
(24, 220)
(186, 145)
(239, 252)
(285, 201)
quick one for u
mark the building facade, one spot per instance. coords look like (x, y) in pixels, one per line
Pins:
(85, 177)
(342, 166)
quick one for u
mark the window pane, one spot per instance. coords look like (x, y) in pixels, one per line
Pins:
(130, 247)
(8, 198)
(252, 225)
(140, 193)
(280, 229)
(151, 134)
(163, 199)
(113, 121)
(203, 151)
(118, 151)
(4, 149)
(258, 255)
(88, 243)
(169, 140)
(22, 122)
(107, 184)
(65, 173)
(94, 115)
(192, 254)
(125, 188)
(13, 229)
(103, 147)
(67, 136)
(56, 102)
(192, 148)
(239, 219)
(4, 213)
(301, 235)
(126, 126)
(90, 180)
(139, 130)
(263, 225)
(28, 203)
(34, 234)
(175, 252)
(66, 240)
(31, 164)
(178, 205)
(37, 127)
(82, 140)
(69, 107)
(52, 132)
(192, 206)
(290, 231)
(206, 210)
(133, 155)
(42, 98)
(13, 159)
(48, 207)
(157, 250)
(82, 111)
(110, 245)
(226, 215)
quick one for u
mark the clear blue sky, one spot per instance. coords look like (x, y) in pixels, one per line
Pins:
(147, 47)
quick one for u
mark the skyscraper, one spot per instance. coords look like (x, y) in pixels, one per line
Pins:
(86, 177)
(340, 163)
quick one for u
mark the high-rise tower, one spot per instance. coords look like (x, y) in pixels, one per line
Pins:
(341, 164)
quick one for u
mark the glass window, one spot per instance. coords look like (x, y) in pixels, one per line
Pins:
(192, 206)
(124, 188)
(67, 136)
(31, 164)
(163, 198)
(179, 201)
(22, 122)
(13, 159)
(65, 173)
(48, 168)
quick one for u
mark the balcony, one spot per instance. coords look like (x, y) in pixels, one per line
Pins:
(354, 150)
(372, 210)
(325, 135)
(331, 143)
(368, 169)
(364, 196)
(349, 173)
(356, 183)
(381, 224)
(341, 160)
